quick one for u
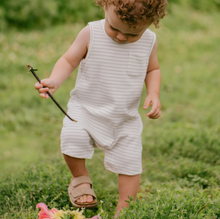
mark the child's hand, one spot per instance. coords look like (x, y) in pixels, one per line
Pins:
(46, 84)
(154, 102)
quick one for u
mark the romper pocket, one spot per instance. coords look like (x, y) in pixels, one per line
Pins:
(137, 64)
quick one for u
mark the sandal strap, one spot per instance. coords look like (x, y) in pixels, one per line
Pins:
(78, 192)
(80, 180)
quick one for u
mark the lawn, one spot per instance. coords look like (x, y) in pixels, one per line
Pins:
(181, 165)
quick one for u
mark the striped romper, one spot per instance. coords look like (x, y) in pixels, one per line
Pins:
(105, 102)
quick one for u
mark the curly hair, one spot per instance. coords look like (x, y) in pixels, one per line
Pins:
(135, 12)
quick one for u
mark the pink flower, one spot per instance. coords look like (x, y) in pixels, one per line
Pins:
(49, 214)
(56, 214)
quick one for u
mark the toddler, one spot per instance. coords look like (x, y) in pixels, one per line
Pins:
(116, 56)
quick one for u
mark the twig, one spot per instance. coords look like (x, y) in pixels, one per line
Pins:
(31, 69)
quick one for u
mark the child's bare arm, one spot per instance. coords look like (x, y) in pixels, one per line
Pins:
(153, 81)
(66, 64)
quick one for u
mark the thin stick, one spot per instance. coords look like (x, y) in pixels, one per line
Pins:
(31, 69)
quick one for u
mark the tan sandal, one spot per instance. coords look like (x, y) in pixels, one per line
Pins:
(76, 192)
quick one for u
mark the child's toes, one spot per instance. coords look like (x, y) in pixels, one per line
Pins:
(80, 200)
(84, 198)
(89, 198)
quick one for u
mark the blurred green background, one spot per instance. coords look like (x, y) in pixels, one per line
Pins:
(180, 150)
(28, 14)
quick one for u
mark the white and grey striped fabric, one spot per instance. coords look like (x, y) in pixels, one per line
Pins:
(105, 101)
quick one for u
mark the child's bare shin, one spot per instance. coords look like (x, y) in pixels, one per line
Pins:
(128, 187)
(76, 166)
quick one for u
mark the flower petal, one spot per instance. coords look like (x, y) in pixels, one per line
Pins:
(42, 206)
(44, 213)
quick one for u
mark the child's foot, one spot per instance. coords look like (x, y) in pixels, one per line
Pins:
(117, 214)
(81, 193)
(84, 198)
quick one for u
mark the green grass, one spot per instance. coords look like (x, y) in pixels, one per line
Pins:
(181, 167)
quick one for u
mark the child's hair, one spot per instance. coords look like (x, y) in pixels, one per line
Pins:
(135, 12)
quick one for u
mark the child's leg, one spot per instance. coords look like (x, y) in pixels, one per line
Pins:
(78, 168)
(128, 187)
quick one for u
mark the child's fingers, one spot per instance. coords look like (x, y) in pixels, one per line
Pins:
(153, 111)
(44, 95)
(155, 114)
(38, 86)
(146, 103)
(43, 90)
(46, 82)
(155, 107)
(43, 87)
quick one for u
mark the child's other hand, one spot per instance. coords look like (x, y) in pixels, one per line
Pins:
(46, 84)
(154, 102)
